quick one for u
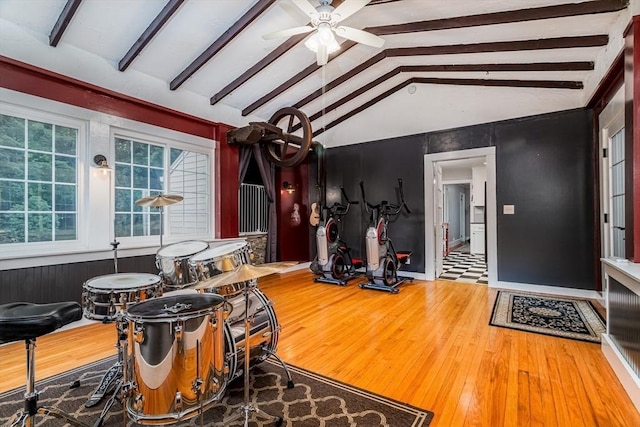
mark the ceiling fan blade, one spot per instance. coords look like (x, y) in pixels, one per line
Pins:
(288, 32)
(346, 9)
(323, 54)
(307, 8)
(359, 36)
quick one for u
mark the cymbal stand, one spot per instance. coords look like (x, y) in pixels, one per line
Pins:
(247, 408)
(115, 244)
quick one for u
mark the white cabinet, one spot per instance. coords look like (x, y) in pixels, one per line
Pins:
(478, 178)
(477, 239)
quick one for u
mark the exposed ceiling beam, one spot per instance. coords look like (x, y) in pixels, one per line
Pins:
(256, 68)
(167, 12)
(539, 66)
(221, 42)
(466, 82)
(520, 15)
(555, 43)
(63, 21)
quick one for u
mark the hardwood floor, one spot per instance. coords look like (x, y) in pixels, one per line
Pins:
(430, 346)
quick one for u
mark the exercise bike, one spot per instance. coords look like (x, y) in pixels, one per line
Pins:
(333, 263)
(383, 261)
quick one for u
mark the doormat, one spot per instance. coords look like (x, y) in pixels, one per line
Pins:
(314, 401)
(560, 317)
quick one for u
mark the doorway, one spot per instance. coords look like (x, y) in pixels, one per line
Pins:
(434, 182)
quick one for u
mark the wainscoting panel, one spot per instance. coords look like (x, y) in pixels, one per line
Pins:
(624, 323)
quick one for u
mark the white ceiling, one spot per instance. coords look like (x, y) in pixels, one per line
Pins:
(102, 31)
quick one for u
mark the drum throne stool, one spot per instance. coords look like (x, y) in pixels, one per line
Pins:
(27, 321)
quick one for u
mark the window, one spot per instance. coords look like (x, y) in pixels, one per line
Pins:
(140, 171)
(616, 178)
(38, 181)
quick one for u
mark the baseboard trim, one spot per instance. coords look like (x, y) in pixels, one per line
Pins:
(545, 289)
(630, 382)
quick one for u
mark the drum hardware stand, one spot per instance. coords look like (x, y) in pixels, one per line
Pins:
(115, 244)
(113, 376)
(270, 352)
(247, 407)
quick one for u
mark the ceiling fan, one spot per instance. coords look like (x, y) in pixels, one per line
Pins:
(324, 21)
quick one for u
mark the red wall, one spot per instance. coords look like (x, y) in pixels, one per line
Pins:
(293, 239)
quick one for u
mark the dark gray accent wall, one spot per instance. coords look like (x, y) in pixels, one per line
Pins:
(544, 167)
(63, 282)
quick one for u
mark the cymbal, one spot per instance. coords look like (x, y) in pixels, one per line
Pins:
(159, 200)
(243, 273)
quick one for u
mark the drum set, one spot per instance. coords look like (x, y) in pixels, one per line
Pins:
(185, 334)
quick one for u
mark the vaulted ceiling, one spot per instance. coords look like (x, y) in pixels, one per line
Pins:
(444, 63)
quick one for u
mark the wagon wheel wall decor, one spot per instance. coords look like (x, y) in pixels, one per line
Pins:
(280, 141)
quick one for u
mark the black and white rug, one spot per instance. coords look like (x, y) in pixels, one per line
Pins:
(313, 402)
(561, 317)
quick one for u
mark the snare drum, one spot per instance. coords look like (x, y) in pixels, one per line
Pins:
(221, 259)
(176, 357)
(173, 261)
(104, 296)
(264, 330)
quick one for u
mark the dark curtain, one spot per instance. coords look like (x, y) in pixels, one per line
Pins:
(268, 174)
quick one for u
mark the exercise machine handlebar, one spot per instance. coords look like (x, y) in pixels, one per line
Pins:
(338, 208)
(384, 207)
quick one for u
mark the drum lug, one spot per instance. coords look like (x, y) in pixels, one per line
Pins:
(138, 334)
(196, 386)
(267, 334)
(178, 334)
(177, 402)
(138, 403)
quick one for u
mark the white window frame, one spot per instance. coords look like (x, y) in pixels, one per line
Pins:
(96, 195)
(167, 143)
(38, 248)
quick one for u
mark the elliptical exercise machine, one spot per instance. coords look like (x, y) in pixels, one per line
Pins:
(333, 262)
(383, 261)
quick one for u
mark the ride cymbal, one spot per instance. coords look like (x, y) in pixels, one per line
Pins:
(159, 200)
(243, 273)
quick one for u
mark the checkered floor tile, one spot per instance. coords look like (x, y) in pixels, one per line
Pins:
(465, 267)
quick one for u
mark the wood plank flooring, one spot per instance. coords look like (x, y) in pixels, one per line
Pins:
(430, 346)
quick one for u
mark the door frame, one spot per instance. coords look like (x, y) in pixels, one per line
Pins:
(489, 153)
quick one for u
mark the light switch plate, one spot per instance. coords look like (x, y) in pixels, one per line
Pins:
(508, 209)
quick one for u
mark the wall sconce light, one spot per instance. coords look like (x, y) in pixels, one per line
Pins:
(289, 188)
(101, 161)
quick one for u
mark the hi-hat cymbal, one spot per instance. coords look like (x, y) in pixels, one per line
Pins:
(243, 273)
(159, 200)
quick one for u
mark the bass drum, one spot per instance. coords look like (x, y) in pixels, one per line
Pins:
(264, 331)
(174, 357)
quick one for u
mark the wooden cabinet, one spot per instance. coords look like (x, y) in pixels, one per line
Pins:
(477, 239)
(478, 179)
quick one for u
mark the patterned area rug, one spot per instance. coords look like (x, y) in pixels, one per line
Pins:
(561, 317)
(314, 401)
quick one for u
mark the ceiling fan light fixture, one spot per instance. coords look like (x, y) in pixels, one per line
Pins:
(316, 40)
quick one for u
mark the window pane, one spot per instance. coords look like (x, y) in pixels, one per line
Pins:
(11, 131)
(40, 198)
(11, 164)
(123, 150)
(138, 194)
(65, 226)
(40, 167)
(40, 136)
(65, 199)
(66, 169)
(123, 175)
(11, 197)
(155, 223)
(156, 156)
(123, 225)
(140, 154)
(66, 140)
(140, 177)
(123, 200)
(12, 228)
(39, 227)
(138, 225)
(156, 179)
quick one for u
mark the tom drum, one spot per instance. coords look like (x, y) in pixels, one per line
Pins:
(218, 260)
(173, 261)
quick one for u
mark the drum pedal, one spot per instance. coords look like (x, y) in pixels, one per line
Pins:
(106, 385)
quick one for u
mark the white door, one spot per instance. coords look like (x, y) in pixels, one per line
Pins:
(463, 218)
(438, 204)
